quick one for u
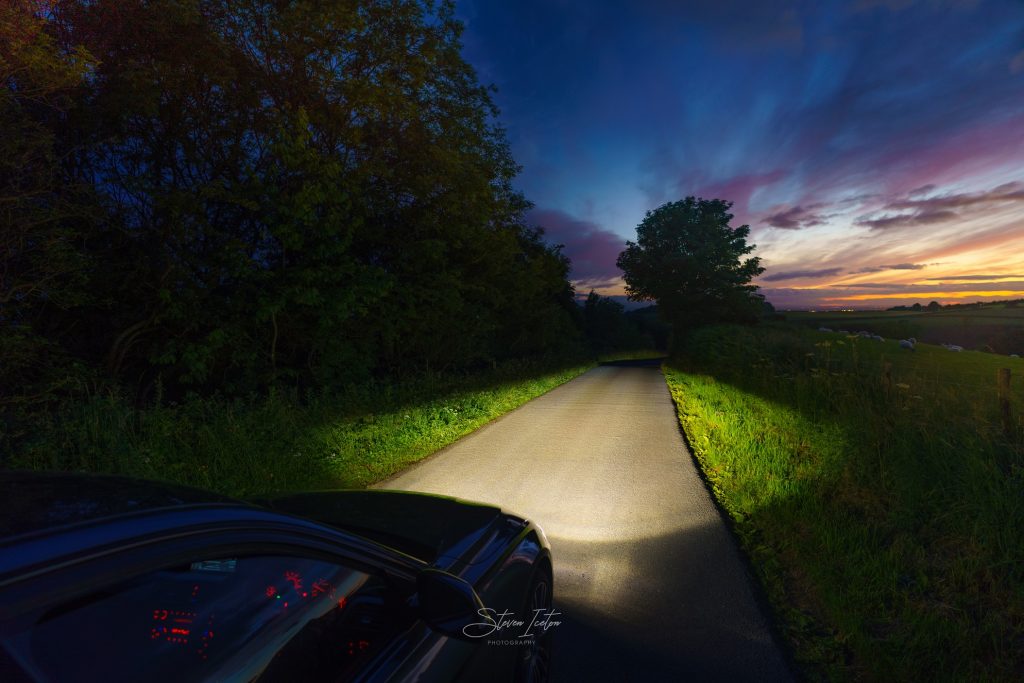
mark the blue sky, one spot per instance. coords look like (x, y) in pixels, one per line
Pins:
(875, 147)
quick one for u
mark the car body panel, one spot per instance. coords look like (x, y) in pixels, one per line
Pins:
(148, 527)
(436, 529)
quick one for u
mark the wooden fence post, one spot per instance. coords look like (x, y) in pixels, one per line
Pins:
(1003, 380)
(887, 375)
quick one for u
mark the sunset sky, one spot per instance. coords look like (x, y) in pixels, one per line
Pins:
(875, 147)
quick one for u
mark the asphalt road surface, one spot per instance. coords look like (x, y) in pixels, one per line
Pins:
(647, 576)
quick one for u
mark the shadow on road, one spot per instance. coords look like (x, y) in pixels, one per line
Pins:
(671, 607)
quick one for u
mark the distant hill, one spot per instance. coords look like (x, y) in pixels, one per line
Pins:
(1013, 303)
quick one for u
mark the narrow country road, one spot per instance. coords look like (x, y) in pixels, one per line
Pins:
(648, 578)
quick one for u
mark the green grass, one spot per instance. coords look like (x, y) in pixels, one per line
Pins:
(885, 521)
(994, 326)
(245, 448)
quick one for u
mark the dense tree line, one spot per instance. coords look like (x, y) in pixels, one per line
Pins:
(609, 328)
(224, 196)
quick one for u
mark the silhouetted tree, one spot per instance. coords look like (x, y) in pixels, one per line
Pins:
(691, 261)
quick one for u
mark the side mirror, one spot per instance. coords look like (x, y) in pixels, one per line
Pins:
(447, 603)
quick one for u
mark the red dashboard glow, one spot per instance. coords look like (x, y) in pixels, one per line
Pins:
(177, 631)
(294, 579)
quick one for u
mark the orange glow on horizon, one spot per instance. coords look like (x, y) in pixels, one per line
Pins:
(926, 295)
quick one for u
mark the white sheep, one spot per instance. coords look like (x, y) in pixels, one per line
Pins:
(824, 329)
(877, 337)
(1014, 355)
(907, 344)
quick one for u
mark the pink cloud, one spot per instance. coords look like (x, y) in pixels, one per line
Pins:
(916, 210)
(592, 249)
(738, 190)
(796, 217)
(975, 150)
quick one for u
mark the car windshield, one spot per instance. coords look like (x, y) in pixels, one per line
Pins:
(240, 619)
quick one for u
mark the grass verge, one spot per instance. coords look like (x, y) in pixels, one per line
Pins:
(883, 516)
(276, 444)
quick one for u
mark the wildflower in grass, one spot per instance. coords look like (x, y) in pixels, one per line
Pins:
(901, 385)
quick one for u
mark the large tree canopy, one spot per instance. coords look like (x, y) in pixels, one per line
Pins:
(226, 195)
(691, 262)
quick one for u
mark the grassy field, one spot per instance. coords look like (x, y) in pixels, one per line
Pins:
(884, 517)
(281, 444)
(992, 327)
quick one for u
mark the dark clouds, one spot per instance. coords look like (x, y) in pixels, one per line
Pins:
(1007, 192)
(797, 217)
(894, 266)
(832, 272)
(942, 208)
(904, 220)
(796, 274)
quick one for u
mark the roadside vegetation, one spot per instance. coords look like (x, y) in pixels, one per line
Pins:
(309, 281)
(280, 443)
(881, 505)
(165, 231)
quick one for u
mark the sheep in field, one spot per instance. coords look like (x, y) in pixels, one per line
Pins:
(907, 344)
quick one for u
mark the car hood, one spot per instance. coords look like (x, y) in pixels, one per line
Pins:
(439, 530)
